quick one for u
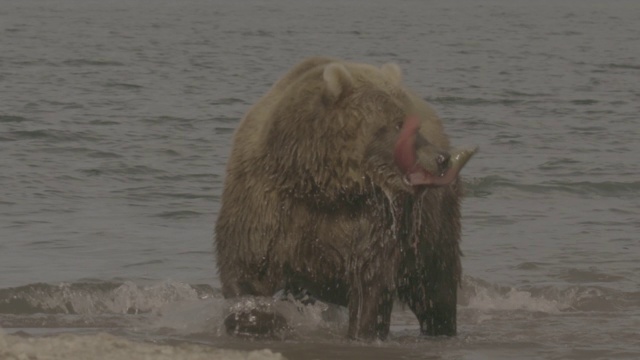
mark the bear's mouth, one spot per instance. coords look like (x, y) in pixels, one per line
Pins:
(429, 170)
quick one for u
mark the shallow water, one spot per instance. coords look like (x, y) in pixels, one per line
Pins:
(115, 126)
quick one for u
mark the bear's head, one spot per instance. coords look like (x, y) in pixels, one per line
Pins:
(342, 128)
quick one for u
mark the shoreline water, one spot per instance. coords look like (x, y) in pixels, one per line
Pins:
(116, 122)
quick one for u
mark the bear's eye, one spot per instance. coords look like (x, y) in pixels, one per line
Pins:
(398, 125)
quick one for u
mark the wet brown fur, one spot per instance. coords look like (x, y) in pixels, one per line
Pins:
(314, 201)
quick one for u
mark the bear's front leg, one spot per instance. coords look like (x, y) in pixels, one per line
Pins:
(370, 304)
(370, 315)
(437, 315)
(433, 299)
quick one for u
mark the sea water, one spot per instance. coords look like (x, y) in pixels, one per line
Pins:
(116, 119)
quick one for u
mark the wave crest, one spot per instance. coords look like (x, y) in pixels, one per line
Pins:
(481, 295)
(480, 187)
(87, 298)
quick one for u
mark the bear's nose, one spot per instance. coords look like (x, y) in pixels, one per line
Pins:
(442, 160)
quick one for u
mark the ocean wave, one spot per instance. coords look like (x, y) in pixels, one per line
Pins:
(123, 86)
(105, 347)
(587, 275)
(258, 33)
(228, 101)
(620, 66)
(91, 62)
(77, 150)
(481, 187)
(226, 119)
(12, 119)
(121, 168)
(109, 298)
(180, 214)
(602, 188)
(168, 120)
(382, 54)
(514, 93)
(481, 295)
(91, 298)
(49, 135)
(224, 130)
(457, 100)
(558, 163)
(584, 102)
(180, 313)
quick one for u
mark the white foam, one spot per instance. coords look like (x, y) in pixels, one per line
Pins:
(124, 299)
(109, 347)
(486, 299)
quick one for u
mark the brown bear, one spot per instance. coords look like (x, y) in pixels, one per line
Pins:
(341, 183)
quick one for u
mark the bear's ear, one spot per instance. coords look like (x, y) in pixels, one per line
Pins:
(337, 80)
(392, 72)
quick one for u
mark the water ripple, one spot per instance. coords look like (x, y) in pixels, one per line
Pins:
(91, 62)
(484, 186)
(50, 135)
(12, 119)
(456, 100)
(96, 297)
